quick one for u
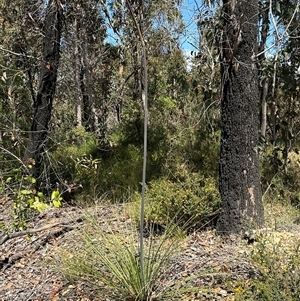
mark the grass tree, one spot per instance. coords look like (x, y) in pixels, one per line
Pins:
(109, 260)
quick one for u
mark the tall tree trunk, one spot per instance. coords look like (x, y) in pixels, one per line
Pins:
(264, 31)
(89, 119)
(264, 106)
(43, 105)
(239, 184)
(77, 74)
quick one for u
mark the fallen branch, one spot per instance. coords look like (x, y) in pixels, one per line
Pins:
(9, 236)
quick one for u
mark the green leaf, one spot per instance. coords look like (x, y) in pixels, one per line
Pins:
(40, 195)
(278, 7)
(30, 179)
(55, 194)
(25, 191)
(56, 198)
(39, 206)
(57, 203)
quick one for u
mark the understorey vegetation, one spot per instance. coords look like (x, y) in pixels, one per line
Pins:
(189, 124)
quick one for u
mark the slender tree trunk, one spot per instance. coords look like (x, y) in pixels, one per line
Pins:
(43, 105)
(274, 108)
(240, 190)
(287, 134)
(89, 118)
(263, 125)
(265, 26)
(136, 60)
(77, 74)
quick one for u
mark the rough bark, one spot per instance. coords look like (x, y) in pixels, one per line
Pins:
(239, 183)
(48, 76)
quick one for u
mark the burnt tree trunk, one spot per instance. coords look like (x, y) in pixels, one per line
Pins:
(48, 75)
(239, 183)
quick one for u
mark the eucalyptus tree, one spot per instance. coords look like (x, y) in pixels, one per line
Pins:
(264, 73)
(239, 178)
(84, 75)
(279, 63)
(43, 102)
(286, 84)
(161, 23)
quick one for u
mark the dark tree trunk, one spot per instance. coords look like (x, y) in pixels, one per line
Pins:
(239, 184)
(43, 105)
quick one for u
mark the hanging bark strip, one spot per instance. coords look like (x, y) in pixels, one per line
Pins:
(48, 76)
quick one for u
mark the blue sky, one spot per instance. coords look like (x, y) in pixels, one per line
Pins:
(189, 9)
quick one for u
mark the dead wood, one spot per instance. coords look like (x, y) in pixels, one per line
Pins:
(66, 224)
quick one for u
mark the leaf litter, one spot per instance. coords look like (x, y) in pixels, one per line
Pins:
(205, 268)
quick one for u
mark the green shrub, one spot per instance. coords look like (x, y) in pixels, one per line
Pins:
(121, 173)
(280, 182)
(76, 144)
(76, 159)
(190, 202)
(277, 257)
(27, 200)
(113, 175)
(279, 215)
(292, 177)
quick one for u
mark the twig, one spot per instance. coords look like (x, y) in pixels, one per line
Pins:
(16, 53)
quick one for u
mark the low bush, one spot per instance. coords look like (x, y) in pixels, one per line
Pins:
(277, 258)
(78, 161)
(280, 180)
(77, 144)
(292, 178)
(121, 173)
(192, 202)
(27, 201)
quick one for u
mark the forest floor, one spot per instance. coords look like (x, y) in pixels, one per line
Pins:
(214, 264)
